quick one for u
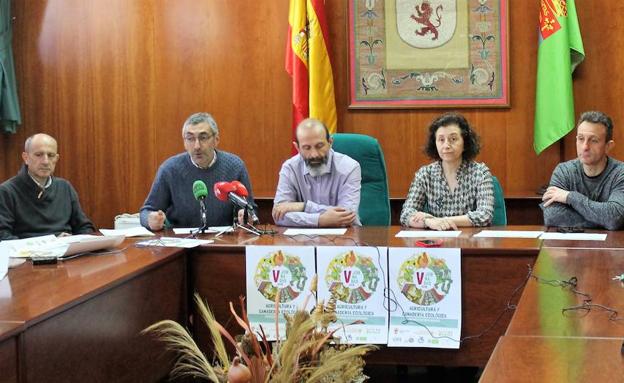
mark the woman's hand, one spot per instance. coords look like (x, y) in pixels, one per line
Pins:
(439, 223)
(417, 219)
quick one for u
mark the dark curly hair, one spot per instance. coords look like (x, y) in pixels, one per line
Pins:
(471, 139)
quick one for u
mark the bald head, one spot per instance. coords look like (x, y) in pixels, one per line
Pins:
(39, 138)
(40, 155)
(311, 126)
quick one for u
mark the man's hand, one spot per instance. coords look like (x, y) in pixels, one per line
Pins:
(251, 218)
(336, 217)
(280, 210)
(440, 224)
(241, 217)
(554, 194)
(156, 220)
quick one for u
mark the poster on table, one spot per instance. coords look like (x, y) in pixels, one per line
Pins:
(426, 286)
(273, 270)
(356, 277)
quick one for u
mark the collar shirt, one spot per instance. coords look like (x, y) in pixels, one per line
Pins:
(47, 184)
(214, 159)
(337, 186)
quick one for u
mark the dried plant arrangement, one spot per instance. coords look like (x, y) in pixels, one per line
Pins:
(310, 352)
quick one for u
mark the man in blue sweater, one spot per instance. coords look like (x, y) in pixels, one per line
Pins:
(171, 201)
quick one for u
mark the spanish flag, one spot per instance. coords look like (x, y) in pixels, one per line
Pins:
(308, 63)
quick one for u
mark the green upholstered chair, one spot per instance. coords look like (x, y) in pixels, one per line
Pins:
(374, 200)
(500, 212)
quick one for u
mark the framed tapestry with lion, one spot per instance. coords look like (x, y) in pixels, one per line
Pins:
(428, 53)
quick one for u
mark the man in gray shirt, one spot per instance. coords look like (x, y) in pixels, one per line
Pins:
(588, 192)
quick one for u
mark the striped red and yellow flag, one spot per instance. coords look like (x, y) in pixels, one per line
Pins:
(308, 63)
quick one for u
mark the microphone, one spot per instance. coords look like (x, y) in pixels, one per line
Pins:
(222, 189)
(235, 192)
(200, 192)
(241, 191)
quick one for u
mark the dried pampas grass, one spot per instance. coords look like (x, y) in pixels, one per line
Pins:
(310, 353)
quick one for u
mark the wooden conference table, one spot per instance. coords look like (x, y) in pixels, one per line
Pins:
(521, 359)
(9, 332)
(80, 320)
(546, 339)
(540, 309)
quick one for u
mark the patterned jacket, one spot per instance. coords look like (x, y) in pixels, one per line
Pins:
(473, 196)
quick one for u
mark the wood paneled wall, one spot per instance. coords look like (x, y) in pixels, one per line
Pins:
(113, 80)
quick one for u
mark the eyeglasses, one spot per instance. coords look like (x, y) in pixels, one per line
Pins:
(202, 138)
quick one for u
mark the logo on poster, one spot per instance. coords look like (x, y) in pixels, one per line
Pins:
(425, 279)
(281, 277)
(352, 278)
(280, 272)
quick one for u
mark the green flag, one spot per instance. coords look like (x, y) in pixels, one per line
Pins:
(9, 105)
(560, 51)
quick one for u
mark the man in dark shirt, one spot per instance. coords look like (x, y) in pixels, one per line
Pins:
(34, 202)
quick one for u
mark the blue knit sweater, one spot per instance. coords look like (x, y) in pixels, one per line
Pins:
(172, 190)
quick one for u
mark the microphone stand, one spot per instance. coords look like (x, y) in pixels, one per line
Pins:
(204, 219)
(250, 226)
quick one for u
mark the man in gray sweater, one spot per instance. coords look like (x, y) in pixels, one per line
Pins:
(35, 202)
(171, 201)
(588, 192)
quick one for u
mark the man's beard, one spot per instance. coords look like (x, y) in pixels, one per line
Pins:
(317, 165)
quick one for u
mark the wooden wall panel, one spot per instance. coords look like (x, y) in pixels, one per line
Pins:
(597, 81)
(114, 80)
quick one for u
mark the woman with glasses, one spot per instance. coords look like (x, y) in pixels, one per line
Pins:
(454, 190)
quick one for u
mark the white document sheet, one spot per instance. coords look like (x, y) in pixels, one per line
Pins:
(43, 246)
(427, 234)
(174, 242)
(210, 230)
(4, 262)
(315, 231)
(5, 289)
(138, 231)
(507, 234)
(575, 236)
